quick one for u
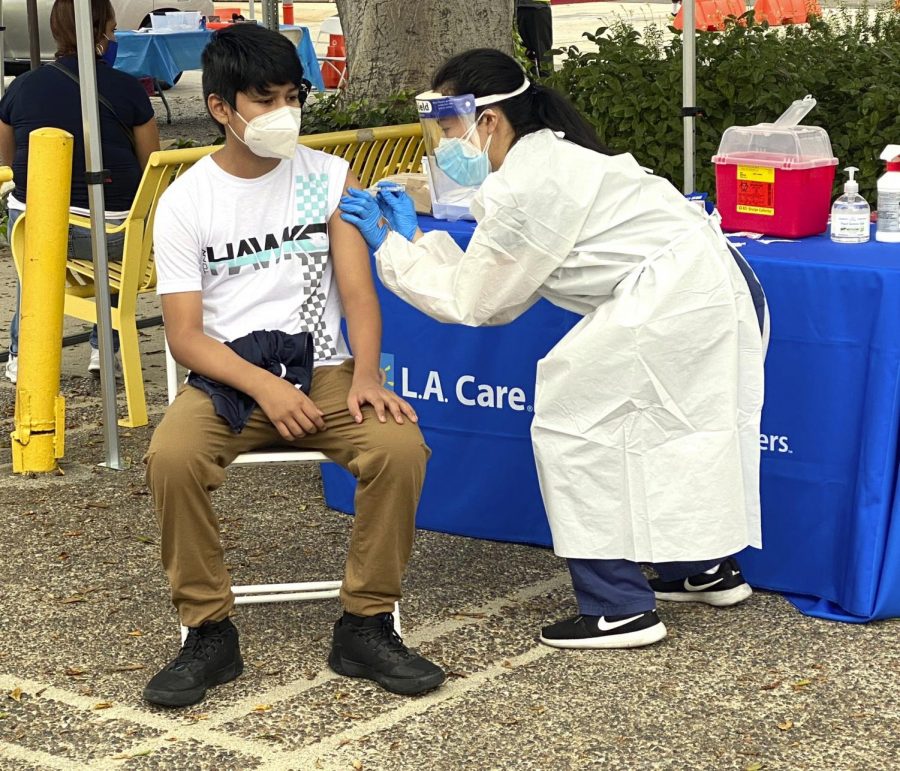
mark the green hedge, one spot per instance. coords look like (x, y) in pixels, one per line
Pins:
(333, 112)
(630, 89)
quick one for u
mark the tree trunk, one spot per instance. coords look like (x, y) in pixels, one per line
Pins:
(396, 45)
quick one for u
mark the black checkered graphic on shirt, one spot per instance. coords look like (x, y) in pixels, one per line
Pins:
(313, 267)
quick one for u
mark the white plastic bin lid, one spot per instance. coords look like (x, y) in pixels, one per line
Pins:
(797, 147)
(782, 144)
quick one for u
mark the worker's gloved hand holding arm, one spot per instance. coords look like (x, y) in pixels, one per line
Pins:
(398, 209)
(359, 209)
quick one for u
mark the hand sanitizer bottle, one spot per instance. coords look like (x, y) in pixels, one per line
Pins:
(850, 214)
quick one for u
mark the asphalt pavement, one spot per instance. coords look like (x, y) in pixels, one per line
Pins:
(85, 621)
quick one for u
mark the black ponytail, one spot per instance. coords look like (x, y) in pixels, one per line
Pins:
(487, 71)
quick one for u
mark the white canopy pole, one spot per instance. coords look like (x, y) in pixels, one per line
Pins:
(95, 176)
(689, 90)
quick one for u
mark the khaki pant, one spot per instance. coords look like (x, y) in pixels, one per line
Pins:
(191, 448)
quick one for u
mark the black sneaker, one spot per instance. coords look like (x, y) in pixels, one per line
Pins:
(723, 588)
(369, 647)
(629, 631)
(210, 656)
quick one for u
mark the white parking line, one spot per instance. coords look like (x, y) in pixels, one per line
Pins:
(208, 730)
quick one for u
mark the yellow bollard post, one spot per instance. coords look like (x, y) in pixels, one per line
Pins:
(39, 438)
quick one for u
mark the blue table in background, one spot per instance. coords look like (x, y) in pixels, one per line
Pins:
(829, 432)
(163, 55)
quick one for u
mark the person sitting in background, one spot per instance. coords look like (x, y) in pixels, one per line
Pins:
(51, 97)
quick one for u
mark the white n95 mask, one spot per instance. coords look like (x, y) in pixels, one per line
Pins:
(272, 134)
(461, 160)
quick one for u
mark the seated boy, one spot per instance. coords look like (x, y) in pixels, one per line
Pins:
(250, 239)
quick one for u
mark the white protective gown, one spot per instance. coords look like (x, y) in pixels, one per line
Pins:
(646, 420)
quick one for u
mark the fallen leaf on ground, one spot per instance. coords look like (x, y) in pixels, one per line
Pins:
(75, 671)
(787, 725)
(135, 633)
(757, 766)
(357, 764)
(16, 694)
(770, 686)
(262, 708)
(127, 668)
(800, 684)
(144, 539)
(102, 705)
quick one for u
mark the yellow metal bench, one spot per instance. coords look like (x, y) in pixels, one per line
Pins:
(372, 153)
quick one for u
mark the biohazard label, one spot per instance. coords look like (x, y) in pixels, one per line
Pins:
(756, 190)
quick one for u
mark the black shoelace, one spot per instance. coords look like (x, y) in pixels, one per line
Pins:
(385, 637)
(197, 647)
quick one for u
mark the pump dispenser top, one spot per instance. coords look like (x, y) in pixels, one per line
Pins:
(891, 154)
(851, 186)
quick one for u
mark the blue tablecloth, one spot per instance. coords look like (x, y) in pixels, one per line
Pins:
(164, 55)
(829, 432)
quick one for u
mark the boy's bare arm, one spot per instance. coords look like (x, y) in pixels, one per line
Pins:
(353, 272)
(292, 412)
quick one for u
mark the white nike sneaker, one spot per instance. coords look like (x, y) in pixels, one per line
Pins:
(590, 632)
(94, 364)
(12, 368)
(723, 588)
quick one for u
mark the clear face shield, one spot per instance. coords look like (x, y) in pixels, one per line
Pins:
(456, 165)
(456, 161)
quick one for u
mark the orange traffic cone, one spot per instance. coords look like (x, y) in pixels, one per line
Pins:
(334, 67)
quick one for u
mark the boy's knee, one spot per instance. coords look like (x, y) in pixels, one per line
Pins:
(401, 448)
(175, 462)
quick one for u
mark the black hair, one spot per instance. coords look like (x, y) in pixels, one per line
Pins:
(487, 71)
(246, 58)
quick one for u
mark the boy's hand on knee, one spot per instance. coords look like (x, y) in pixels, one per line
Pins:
(382, 401)
(291, 411)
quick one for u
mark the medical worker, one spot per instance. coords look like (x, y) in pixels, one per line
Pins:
(646, 418)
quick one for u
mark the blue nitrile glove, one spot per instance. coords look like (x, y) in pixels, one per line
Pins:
(398, 209)
(359, 209)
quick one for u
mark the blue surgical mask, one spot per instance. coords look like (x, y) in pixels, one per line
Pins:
(460, 160)
(109, 55)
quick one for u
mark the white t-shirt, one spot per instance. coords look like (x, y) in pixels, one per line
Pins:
(257, 249)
